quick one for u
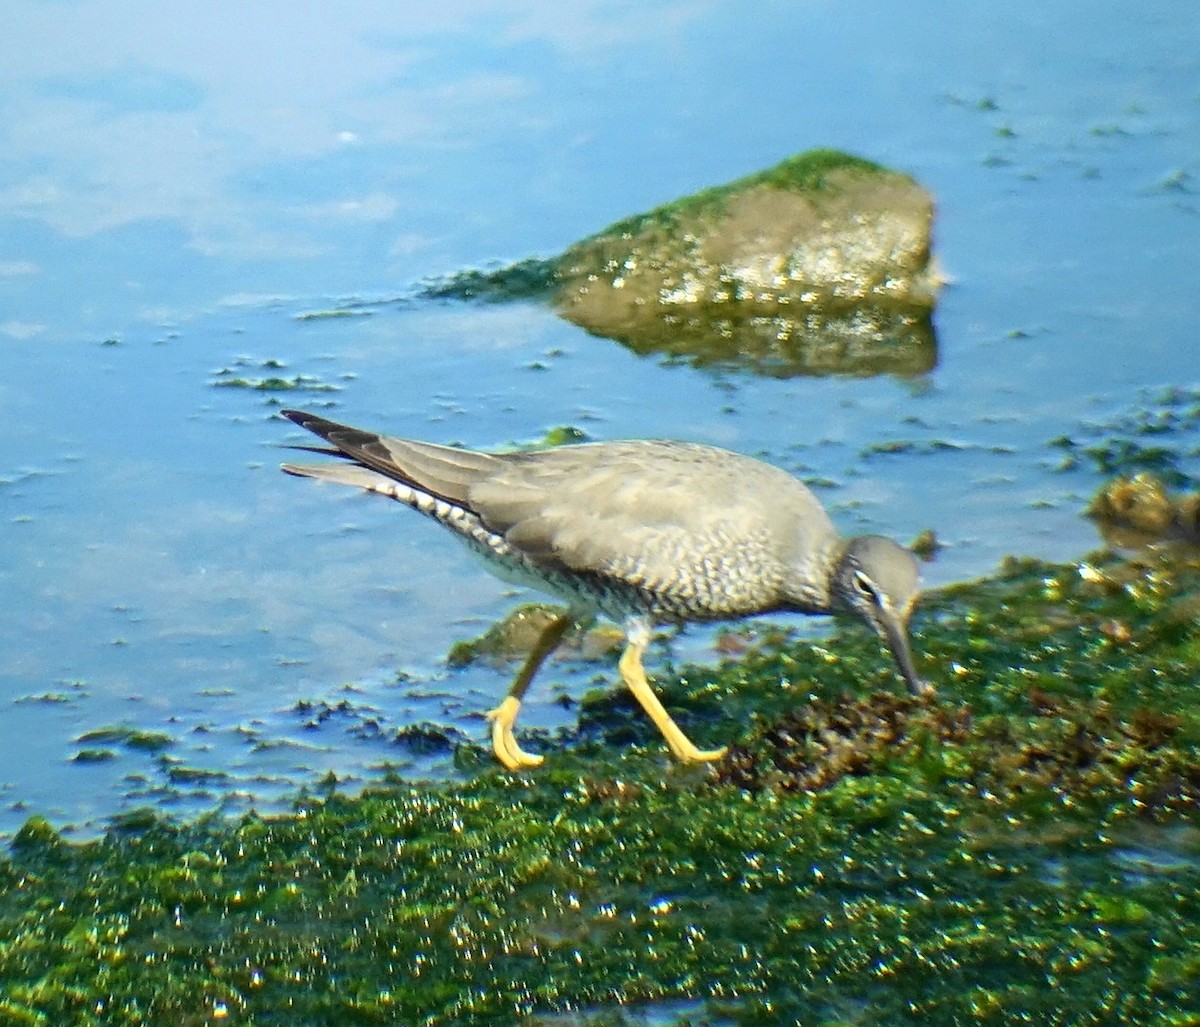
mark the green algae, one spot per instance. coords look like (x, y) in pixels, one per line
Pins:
(1159, 434)
(334, 314)
(529, 279)
(129, 737)
(94, 756)
(47, 698)
(235, 377)
(1024, 849)
(564, 435)
(275, 383)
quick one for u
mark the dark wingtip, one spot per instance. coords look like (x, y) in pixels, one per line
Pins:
(316, 424)
(299, 416)
(348, 443)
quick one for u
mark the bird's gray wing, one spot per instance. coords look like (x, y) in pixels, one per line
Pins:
(659, 515)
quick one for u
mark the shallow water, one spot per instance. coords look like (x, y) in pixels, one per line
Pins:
(179, 199)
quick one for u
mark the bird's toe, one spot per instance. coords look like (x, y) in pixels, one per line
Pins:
(504, 742)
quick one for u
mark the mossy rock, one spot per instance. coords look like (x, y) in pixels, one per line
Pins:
(1139, 510)
(819, 265)
(513, 637)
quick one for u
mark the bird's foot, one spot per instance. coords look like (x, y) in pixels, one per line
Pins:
(686, 752)
(504, 744)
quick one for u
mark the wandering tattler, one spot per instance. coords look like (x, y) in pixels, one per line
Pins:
(640, 532)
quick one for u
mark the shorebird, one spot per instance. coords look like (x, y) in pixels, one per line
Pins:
(640, 532)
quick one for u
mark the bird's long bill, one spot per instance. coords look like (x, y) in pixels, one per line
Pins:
(896, 633)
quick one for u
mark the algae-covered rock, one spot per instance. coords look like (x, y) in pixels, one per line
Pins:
(926, 545)
(1139, 510)
(515, 635)
(819, 265)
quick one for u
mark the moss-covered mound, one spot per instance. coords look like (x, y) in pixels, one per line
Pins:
(1025, 849)
(1139, 510)
(818, 265)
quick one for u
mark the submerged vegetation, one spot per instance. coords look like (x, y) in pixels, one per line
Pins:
(273, 380)
(1024, 849)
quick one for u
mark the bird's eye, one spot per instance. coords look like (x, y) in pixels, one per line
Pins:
(863, 584)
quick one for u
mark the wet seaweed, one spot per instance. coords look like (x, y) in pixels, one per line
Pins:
(1025, 848)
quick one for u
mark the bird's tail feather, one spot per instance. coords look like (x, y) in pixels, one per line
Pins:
(347, 474)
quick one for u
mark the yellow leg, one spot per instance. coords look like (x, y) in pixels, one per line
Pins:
(634, 676)
(504, 716)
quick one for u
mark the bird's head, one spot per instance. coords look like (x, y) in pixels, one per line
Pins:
(877, 580)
